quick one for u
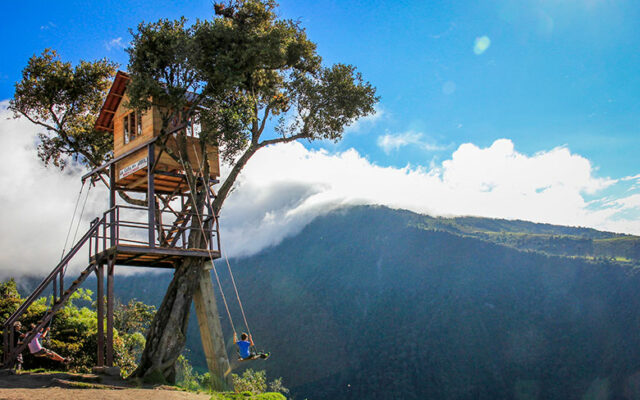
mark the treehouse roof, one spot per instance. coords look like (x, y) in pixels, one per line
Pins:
(104, 122)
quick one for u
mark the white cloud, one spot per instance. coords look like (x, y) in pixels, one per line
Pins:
(115, 44)
(36, 202)
(49, 25)
(284, 187)
(481, 44)
(392, 142)
(448, 88)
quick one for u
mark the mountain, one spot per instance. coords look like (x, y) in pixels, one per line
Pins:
(375, 303)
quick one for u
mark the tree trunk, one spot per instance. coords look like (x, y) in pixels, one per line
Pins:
(168, 331)
(167, 334)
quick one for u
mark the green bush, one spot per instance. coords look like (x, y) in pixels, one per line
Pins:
(256, 382)
(74, 329)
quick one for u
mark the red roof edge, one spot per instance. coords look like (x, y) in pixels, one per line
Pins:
(104, 122)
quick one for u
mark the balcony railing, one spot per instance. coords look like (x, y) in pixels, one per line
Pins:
(125, 225)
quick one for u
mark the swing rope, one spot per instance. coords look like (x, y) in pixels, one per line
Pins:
(75, 234)
(237, 294)
(73, 217)
(213, 265)
(233, 280)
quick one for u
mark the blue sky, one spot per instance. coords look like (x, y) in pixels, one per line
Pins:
(476, 97)
(557, 72)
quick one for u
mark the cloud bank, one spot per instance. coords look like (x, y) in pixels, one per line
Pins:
(36, 203)
(284, 187)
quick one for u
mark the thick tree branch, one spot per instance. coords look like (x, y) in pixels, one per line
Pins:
(265, 117)
(34, 121)
(287, 139)
(124, 196)
(228, 183)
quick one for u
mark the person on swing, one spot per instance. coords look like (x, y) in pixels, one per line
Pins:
(244, 348)
(36, 349)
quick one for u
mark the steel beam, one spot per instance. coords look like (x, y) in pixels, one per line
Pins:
(110, 304)
(100, 305)
(151, 197)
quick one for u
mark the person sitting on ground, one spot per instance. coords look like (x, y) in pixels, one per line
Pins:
(17, 335)
(244, 348)
(37, 350)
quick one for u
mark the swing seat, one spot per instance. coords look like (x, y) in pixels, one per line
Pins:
(258, 356)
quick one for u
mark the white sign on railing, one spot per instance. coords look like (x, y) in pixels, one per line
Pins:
(130, 169)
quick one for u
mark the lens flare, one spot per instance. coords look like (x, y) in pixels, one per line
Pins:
(481, 44)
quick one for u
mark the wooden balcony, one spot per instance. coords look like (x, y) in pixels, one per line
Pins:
(126, 236)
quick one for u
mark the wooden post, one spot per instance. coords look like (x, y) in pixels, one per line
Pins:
(211, 332)
(5, 348)
(100, 305)
(151, 197)
(110, 300)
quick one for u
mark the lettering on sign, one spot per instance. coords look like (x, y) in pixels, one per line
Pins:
(130, 169)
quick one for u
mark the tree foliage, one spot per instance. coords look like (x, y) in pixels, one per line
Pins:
(240, 72)
(65, 101)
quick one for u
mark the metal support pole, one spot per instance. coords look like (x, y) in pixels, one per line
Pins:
(110, 301)
(55, 289)
(100, 273)
(151, 196)
(112, 204)
(61, 283)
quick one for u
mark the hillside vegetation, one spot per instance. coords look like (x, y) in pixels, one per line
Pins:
(374, 303)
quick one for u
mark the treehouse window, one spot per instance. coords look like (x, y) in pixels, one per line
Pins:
(193, 128)
(132, 124)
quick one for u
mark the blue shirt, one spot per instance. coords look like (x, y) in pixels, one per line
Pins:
(244, 346)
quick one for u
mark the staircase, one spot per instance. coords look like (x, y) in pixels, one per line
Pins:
(179, 226)
(57, 275)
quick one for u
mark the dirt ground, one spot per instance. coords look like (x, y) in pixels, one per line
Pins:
(62, 386)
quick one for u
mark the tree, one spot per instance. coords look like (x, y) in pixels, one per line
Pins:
(233, 74)
(237, 74)
(65, 101)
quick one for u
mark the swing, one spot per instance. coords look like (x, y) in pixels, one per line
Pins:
(254, 354)
(261, 356)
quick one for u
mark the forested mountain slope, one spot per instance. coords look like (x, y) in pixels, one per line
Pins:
(369, 302)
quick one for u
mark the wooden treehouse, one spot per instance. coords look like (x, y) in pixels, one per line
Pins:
(155, 235)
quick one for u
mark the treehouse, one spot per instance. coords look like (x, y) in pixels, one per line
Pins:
(133, 132)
